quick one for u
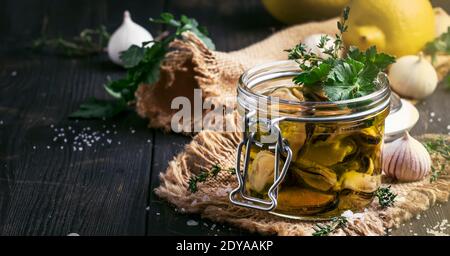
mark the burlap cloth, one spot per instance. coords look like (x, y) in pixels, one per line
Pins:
(190, 65)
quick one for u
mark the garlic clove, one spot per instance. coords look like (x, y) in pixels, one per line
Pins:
(406, 159)
(413, 77)
(128, 34)
(312, 41)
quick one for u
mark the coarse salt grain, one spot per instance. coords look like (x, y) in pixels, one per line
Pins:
(192, 223)
(432, 114)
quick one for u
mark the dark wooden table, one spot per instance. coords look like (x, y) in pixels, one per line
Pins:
(47, 187)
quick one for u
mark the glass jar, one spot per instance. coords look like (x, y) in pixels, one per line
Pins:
(304, 159)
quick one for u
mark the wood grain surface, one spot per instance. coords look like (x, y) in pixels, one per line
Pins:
(107, 189)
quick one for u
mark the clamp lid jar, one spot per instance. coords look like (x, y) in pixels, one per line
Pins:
(301, 157)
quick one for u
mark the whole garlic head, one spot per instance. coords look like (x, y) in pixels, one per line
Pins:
(406, 159)
(413, 77)
(312, 41)
(128, 34)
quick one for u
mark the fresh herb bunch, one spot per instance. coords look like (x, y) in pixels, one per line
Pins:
(441, 148)
(340, 78)
(325, 230)
(142, 64)
(386, 197)
(88, 42)
(440, 45)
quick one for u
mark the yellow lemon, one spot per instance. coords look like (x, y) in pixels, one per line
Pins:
(295, 11)
(400, 27)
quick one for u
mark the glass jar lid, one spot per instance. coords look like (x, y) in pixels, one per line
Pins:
(262, 78)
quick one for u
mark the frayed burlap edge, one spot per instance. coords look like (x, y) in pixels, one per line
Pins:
(211, 200)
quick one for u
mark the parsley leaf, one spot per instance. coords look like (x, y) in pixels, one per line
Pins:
(132, 56)
(142, 64)
(339, 78)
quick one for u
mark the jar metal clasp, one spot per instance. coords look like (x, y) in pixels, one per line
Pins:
(281, 147)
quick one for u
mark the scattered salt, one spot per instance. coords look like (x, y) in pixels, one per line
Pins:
(48, 147)
(158, 213)
(431, 120)
(213, 227)
(439, 119)
(192, 223)
(34, 147)
(351, 217)
(432, 114)
(73, 234)
(147, 208)
(14, 73)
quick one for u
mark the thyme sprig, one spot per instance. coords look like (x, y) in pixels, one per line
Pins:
(88, 42)
(441, 148)
(386, 197)
(325, 230)
(204, 175)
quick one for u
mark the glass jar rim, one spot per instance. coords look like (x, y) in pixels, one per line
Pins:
(362, 106)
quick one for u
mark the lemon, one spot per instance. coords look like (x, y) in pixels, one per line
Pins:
(295, 11)
(400, 27)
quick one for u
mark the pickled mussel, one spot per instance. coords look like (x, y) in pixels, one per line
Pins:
(292, 94)
(331, 151)
(305, 200)
(261, 172)
(315, 175)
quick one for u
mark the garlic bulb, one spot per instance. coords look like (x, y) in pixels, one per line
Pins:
(312, 41)
(442, 21)
(413, 77)
(406, 159)
(126, 35)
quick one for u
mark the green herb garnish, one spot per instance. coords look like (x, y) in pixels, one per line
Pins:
(441, 148)
(386, 197)
(142, 64)
(339, 78)
(440, 45)
(202, 177)
(232, 170)
(325, 230)
(436, 173)
(88, 42)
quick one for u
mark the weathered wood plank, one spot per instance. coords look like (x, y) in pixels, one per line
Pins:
(48, 190)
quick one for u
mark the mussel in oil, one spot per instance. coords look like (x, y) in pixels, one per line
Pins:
(314, 175)
(330, 151)
(305, 200)
(359, 182)
(261, 171)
